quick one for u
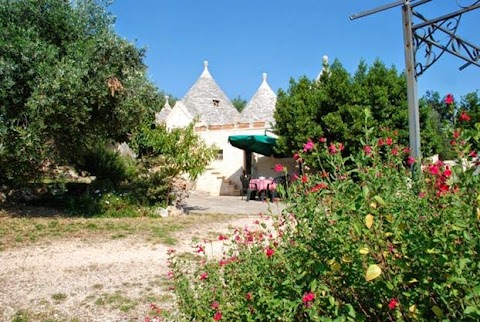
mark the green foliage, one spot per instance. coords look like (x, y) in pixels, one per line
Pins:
(164, 156)
(332, 107)
(366, 242)
(239, 103)
(67, 81)
(108, 166)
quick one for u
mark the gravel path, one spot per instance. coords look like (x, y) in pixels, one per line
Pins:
(103, 280)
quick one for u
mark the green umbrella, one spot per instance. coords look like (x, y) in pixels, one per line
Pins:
(261, 144)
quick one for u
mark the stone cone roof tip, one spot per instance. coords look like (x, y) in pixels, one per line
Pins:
(161, 117)
(262, 105)
(207, 100)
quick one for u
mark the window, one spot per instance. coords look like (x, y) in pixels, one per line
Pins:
(216, 103)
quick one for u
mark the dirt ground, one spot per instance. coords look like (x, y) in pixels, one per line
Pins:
(106, 280)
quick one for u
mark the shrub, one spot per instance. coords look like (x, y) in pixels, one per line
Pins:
(365, 241)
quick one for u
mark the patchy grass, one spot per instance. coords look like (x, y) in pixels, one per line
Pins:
(22, 231)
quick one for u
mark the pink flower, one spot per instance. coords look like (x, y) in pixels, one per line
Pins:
(381, 142)
(367, 149)
(322, 140)
(433, 169)
(203, 276)
(215, 305)
(392, 304)
(217, 316)
(308, 298)
(332, 149)
(410, 160)
(170, 275)
(308, 146)
(449, 99)
(472, 154)
(278, 168)
(200, 249)
(421, 194)
(296, 156)
(269, 252)
(341, 147)
(394, 151)
(464, 117)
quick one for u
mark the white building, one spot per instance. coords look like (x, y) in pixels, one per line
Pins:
(217, 120)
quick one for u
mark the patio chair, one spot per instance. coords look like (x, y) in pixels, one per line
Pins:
(247, 187)
(278, 181)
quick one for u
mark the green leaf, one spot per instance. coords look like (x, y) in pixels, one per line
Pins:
(437, 311)
(471, 310)
(379, 200)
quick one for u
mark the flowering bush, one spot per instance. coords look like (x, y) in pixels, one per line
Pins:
(361, 240)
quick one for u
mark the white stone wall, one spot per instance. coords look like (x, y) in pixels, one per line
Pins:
(232, 165)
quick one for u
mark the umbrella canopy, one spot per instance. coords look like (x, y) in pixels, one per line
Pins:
(261, 144)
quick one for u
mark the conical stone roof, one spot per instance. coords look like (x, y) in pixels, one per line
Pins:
(161, 116)
(262, 105)
(206, 100)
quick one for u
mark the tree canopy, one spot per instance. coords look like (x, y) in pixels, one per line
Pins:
(333, 106)
(67, 80)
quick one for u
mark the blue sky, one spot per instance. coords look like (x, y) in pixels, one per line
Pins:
(241, 39)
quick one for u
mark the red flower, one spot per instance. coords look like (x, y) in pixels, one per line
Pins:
(269, 252)
(389, 141)
(203, 276)
(449, 99)
(308, 298)
(217, 316)
(381, 142)
(215, 305)
(308, 146)
(433, 169)
(318, 187)
(332, 149)
(323, 140)
(392, 304)
(248, 296)
(421, 194)
(472, 154)
(447, 173)
(394, 151)
(367, 149)
(200, 249)
(456, 134)
(296, 156)
(410, 160)
(304, 178)
(464, 117)
(278, 168)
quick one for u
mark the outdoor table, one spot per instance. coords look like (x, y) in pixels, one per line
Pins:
(262, 185)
